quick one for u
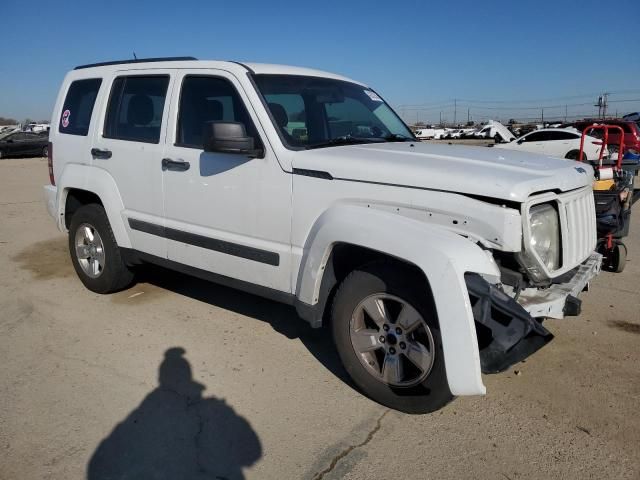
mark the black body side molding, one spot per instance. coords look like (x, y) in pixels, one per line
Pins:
(222, 246)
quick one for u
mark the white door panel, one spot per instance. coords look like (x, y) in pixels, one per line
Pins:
(136, 166)
(227, 213)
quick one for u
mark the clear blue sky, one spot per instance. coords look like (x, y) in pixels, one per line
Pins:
(412, 52)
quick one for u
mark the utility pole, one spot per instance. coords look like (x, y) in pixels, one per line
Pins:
(602, 105)
(440, 118)
(468, 115)
(565, 114)
(455, 110)
(543, 116)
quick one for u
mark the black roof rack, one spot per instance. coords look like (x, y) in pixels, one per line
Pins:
(137, 60)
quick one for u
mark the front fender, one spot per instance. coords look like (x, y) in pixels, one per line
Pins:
(443, 256)
(100, 182)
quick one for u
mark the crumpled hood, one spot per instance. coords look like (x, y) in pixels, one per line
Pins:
(487, 172)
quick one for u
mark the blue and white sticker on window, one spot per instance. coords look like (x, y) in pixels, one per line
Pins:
(373, 95)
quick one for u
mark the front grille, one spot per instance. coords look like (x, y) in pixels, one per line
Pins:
(579, 231)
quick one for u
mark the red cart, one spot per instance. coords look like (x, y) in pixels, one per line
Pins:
(613, 194)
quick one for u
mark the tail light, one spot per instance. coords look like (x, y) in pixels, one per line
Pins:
(52, 180)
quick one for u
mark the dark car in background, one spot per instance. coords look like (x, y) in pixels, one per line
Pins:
(17, 144)
(631, 132)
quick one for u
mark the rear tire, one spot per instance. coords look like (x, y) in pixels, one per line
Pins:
(94, 252)
(382, 369)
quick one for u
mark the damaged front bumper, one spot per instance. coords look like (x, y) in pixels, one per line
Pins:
(551, 302)
(508, 330)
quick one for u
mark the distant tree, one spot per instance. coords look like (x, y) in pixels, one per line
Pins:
(27, 121)
(420, 124)
(8, 121)
(470, 123)
(512, 121)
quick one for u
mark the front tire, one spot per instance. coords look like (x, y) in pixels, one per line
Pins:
(95, 254)
(386, 332)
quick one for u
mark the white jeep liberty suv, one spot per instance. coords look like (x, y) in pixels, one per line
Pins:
(433, 264)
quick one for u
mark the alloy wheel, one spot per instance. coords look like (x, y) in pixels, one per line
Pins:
(90, 250)
(392, 340)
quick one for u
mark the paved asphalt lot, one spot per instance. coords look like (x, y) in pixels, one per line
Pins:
(250, 390)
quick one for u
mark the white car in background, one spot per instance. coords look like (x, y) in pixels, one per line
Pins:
(556, 142)
(439, 133)
(429, 133)
(495, 130)
(457, 133)
(425, 133)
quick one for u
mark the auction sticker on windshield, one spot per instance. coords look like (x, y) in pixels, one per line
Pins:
(373, 95)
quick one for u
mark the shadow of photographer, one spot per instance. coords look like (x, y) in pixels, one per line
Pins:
(177, 434)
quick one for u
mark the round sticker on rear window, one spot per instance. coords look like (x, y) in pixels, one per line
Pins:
(65, 118)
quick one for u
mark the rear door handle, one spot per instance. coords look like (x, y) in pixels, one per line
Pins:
(175, 165)
(98, 153)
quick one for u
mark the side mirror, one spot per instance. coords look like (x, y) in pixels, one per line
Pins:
(228, 137)
(520, 142)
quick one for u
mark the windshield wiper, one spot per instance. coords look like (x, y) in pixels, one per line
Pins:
(397, 137)
(345, 140)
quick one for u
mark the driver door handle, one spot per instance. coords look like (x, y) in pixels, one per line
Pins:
(175, 165)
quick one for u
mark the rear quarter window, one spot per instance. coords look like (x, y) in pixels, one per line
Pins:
(135, 108)
(78, 106)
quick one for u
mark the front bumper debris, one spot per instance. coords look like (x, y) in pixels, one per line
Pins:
(507, 333)
(551, 302)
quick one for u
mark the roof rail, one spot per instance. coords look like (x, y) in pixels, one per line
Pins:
(137, 60)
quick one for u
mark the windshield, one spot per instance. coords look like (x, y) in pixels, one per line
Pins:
(313, 112)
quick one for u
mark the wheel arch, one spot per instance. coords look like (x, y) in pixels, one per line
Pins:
(359, 234)
(82, 184)
(574, 154)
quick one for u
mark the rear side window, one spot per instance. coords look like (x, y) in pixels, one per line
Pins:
(135, 108)
(78, 106)
(536, 137)
(561, 136)
(209, 99)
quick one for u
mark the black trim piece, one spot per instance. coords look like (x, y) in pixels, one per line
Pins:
(229, 248)
(146, 227)
(312, 173)
(506, 333)
(135, 257)
(249, 69)
(137, 60)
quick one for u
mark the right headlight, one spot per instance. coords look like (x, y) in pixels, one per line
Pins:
(545, 234)
(543, 240)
